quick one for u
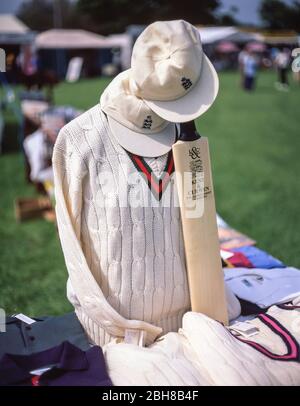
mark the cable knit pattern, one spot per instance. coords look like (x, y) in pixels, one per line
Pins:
(126, 264)
(205, 353)
(228, 361)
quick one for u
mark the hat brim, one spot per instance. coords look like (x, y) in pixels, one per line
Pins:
(152, 145)
(196, 102)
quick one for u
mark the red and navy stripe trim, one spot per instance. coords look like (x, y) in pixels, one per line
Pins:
(288, 306)
(155, 184)
(293, 350)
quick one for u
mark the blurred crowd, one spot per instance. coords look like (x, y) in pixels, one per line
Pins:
(25, 68)
(41, 119)
(250, 62)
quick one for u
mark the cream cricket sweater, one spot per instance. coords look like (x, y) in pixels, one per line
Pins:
(125, 262)
(204, 352)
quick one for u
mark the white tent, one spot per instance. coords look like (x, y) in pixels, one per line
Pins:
(69, 39)
(9, 24)
(81, 39)
(13, 31)
(212, 35)
(124, 42)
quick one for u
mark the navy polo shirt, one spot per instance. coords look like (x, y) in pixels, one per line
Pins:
(70, 366)
(47, 332)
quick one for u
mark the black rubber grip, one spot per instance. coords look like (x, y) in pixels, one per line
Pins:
(188, 131)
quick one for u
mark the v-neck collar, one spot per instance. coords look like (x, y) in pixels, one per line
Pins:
(293, 349)
(157, 185)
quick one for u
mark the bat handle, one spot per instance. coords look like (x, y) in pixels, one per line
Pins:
(188, 131)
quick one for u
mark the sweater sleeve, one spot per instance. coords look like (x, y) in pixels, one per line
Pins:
(69, 173)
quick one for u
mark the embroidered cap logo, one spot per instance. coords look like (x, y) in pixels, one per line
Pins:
(186, 83)
(147, 122)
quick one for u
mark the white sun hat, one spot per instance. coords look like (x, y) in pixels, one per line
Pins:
(171, 73)
(134, 125)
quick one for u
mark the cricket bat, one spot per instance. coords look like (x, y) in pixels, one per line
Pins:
(199, 224)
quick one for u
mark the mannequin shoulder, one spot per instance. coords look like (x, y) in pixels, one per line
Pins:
(83, 134)
(85, 122)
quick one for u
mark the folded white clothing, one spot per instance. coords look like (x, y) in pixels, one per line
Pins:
(205, 352)
(167, 362)
(264, 287)
(271, 357)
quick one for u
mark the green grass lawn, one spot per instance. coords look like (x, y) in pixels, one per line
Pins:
(255, 145)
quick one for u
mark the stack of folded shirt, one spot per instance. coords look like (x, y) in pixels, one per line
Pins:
(258, 279)
(251, 257)
(205, 352)
(264, 287)
(49, 351)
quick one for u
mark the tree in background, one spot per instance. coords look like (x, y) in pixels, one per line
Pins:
(278, 15)
(229, 18)
(37, 14)
(115, 15)
(40, 15)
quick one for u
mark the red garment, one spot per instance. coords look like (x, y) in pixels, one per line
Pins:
(239, 260)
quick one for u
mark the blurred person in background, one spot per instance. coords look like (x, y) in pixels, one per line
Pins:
(281, 62)
(241, 59)
(273, 53)
(11, 68)
(39, 145)
(28, 64)
(249, 67)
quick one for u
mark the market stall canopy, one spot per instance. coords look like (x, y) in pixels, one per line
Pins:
(11, 24)
(211, 35)
(256, 47)
(277, 37)
(13, 30)
(117, 40)
(70, 39)
(227, 47)
(124, 42)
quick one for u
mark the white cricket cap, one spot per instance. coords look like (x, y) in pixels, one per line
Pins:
(134, 125)
(171, 73)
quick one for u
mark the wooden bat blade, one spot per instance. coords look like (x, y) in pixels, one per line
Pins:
(198, 217)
